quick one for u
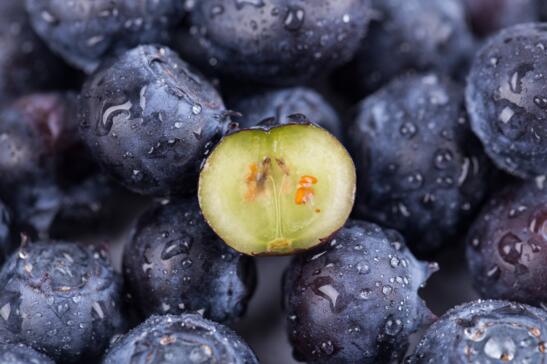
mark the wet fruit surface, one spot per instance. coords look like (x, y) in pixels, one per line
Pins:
(507, 245)
(277, 190)
(486, 332)
(421, 170)
(507, 99)
(356, 299)
(6, 233)
(61, 298)
(408, 35)
(175, 263)
(85, 32)
(281, 103)
(180, 339)
(274, 41)
(149, 119)
(21, 354)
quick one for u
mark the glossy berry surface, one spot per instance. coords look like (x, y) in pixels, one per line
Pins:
(61, 298)
(149, 118)
(22, 354)
(45, 177)
(85, 32)
(180, 339)
(356, 299)
(6, 232)
(174, 263)
(274, 41)
(488, 16)
(281, 103)
(420, 169)
(486, 332)
(507, 99)
(412, 35)
(26, 64)
(507, 245)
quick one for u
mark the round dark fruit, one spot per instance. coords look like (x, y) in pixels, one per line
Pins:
(486, 332)
(180, 339)
(22, 354)
(277, 190)
(282, 103)
(274, 41)
(356, 300)
(61, 298)
(421, 171)
(174, 263)
(85, 32)
(507, 245)
(149, 118)
(507, 99)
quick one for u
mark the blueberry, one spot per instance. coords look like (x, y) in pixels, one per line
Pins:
(488, 16)
(180, 339)
(409, 35)
(421, 170)
(485, 332)
(274, 41)
(61, 298)
(282, 103)
(21, 354)
(507, 98)
(6, 232)
(39, 134)
(26, 64)
(85, 32)
(149, 118)
(356, 300)
(174, 263)
(507, 245)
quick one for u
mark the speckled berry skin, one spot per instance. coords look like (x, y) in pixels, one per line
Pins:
(274, 41)
(61, 298)
(21, 354)
(149, 118)
(507, 98)
(486, 332)
(356, 299)
(412, 35)
(281, 103)
(507, 245)
(174, 263)
(180, 339)
(420, 169)
(85, 32)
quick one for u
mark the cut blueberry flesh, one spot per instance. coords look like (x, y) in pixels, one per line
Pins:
(279, 190)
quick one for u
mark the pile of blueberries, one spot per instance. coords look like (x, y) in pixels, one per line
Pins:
(442, 105)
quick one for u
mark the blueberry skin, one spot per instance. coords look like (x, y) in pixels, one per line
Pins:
(63, 299)
(21, 354)
(274, 41)
(489, 16)
(44, 174)
(26, 64)
(149, 118)
(507, 245)
(506, 99)
(85, 32)
(174, 263)
(187, 338)
(420, 169)
(281, 103)
(412, 35)
(356, 299)
(486, 332)
(6, 238)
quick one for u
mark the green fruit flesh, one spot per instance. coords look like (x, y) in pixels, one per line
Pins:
(277, 191)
